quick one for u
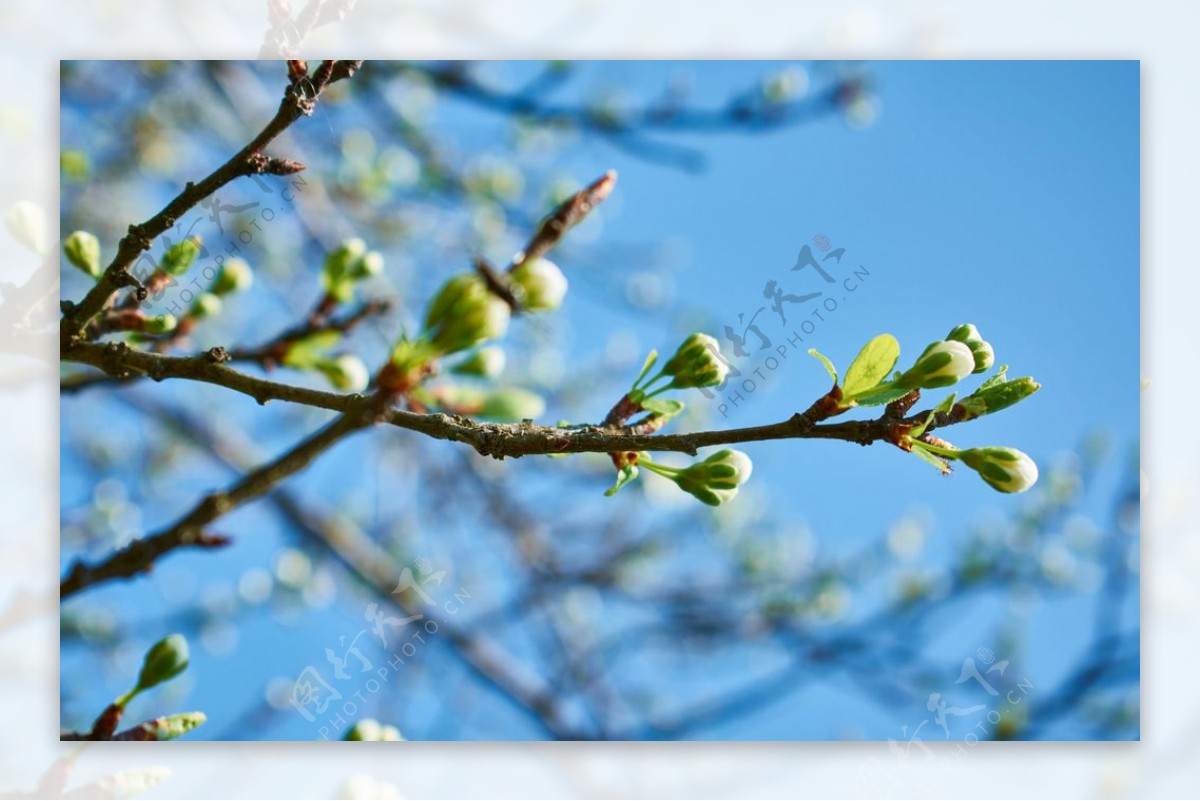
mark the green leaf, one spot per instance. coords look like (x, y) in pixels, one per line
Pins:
(816, 354)
(624, 476)
(663, 407)
(649, 363)
(880, 395)
(919, 428)
(941, 464)
(307, 353)
(179, 257)
(998, 378)
(947, 403)
(871, 365)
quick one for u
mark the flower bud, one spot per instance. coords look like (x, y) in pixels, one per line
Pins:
(338, 262)
(26, 221)
(997, 397)
(785, 85)
(716, 479)
(179, 257)
(1006, 469)
(162, 324)
(542, 284)
(165, 660)
(370, 730)
(369, 265)
(206, 305)
(172, 726)
(83, 250)
(983, 353)
(981, 350)
(487, 362)
(348, 264)
(964, 333)
(365, 730)
(461, 399)
(696, 363)
(942, 364)
(512, 404)
(235, 276)
(346, 373)
(465, 313)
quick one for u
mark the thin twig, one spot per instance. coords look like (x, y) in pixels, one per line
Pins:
(299, 99)
(140, 555)
(493, 439)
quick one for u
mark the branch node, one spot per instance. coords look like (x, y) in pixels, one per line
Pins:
(217, 355)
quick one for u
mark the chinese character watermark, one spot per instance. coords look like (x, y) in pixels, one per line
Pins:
(356, 676)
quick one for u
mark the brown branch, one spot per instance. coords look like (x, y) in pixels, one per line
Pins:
(299, 99)
(371, 564)
(269, 355)
(140, 555)
(497, 439)
(569, 213)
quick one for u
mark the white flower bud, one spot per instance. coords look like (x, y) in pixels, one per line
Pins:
(206, 305)
(235, 276)
(716, 479)
(512, 404)
(697, 363)
(542, 284)
(1006, 469)
(942, 364)
(162, 324)
(83, 250)
(346, 372)
(26, 221)
(969, 335)
(487, 362)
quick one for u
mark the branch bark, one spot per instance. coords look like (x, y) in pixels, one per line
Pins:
(140, 555)
(299, 99)
(491, 439)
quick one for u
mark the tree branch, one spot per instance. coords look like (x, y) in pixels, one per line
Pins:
(493, 439)
(140, 555)
(299, 99)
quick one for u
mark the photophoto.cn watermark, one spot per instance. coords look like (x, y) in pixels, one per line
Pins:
(174, 295)
(953, 729)
(763, 341)
(331, 696)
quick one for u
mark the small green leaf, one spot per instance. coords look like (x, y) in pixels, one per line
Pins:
(663, 407)
(816, 354)
(307, 353)
(624, 476)
(941, 464)
(880, 395)
(179, 257)
(998, 378)
(947, 403)
(871, 365)
(919, 428)
(649, 363)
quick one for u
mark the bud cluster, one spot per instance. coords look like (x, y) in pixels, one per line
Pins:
(463, 314)
(346, 266)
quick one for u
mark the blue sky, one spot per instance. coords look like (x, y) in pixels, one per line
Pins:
(1000, 193)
